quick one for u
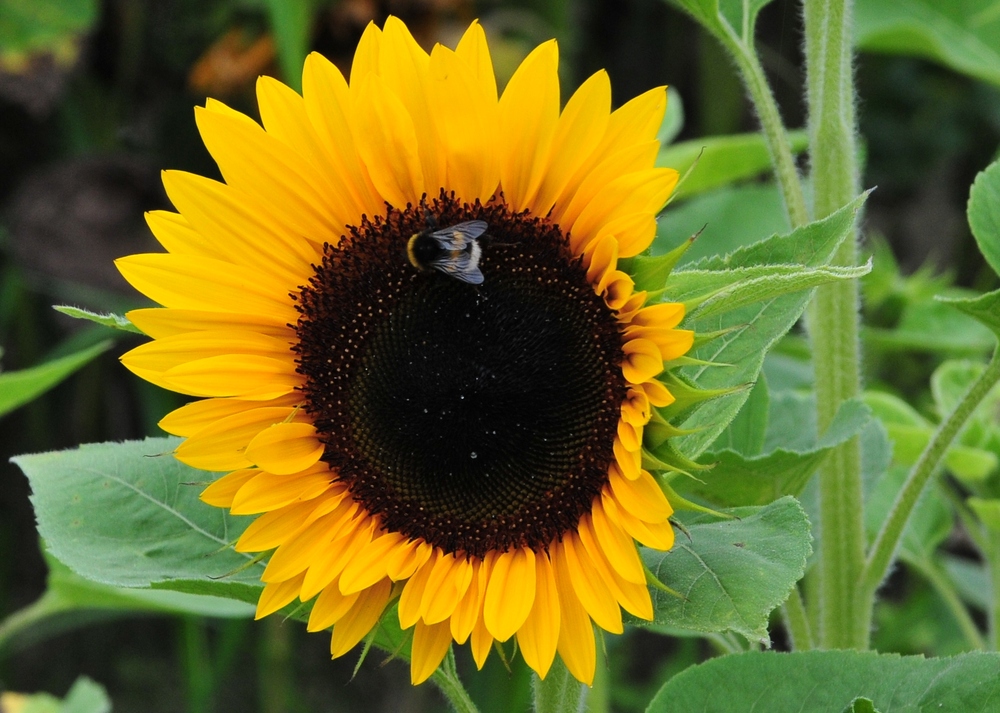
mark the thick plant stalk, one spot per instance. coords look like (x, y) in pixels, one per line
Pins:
(559, 692)
(834, 319)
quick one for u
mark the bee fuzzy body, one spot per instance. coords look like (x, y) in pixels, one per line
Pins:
(454, 250)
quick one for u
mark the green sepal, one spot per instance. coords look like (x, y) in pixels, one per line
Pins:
(668, 458)
(108, 319)
(678, 502)
(683, 179)
(703, 338)
(659, 430)
(650, 273)
(686, 395)
(655, 583)
(691, 361)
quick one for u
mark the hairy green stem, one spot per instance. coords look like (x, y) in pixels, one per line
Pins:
(993, 566)
(797, 621)
(447, 680)
(833, 322)
(559, 692)
(946, 590)
(889, 536)
(775, 135)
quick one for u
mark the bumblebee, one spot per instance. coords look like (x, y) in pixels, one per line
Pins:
(454, 250)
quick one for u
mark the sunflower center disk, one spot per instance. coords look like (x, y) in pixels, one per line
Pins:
(478, 417)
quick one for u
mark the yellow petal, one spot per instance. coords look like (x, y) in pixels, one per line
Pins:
(627, 463)
(580, 127)
(222, 444)
(285, 448)
(196, 415)
(159, 322)
(430, 644)
(244, 376)
(328, 564)
(642, 496)
(238, 229)
(268, 491)
(272, 528)
(176, 235)
(617, 545)
(510, 593)
(402, 562)
(474, 52)
(296, 554)
(481, 643)
(469, 610)
(576, 634)
(468, 123)
(447, 584)
(362, 617)
(411, 600)
(164, 354)
(284, 115)
(368, 566)
(657, 393)
(366, 55)
(539, 635)
(264, 168)
(222, 491)
(330, 109)
(659, 536)
(529, 110)
(388, 144)
(277, 595)
(642, 360)
(403, 66)
(633, 597)
(590, 587)
(203, 284)
(330, 607)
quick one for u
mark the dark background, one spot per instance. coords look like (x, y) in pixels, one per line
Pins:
(84, 132)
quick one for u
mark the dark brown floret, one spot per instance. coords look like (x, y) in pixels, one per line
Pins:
(478, 417)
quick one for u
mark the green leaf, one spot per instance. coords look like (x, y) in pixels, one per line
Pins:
(128, 515)
(722, 160)
(861, 705)
(673, 118)
(755, 327)
(737, 479)
(987, 510)
(19, 387)
(732, 573)
(930, 522)
(718, 16)
(746, 434)
(936, 326)
(970, 578)
(964, 36)
(51, 27)
(984, 201)
(160, 533)
(825, 681)
(70, 601)
(713, 292)
(110, 319)
(85, 696)
(910, 433)
(985, 309)
(731, 217)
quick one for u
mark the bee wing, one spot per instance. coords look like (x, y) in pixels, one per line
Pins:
(462, 266)
(456, 237)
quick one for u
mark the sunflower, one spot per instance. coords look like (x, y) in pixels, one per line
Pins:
(469, 452)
